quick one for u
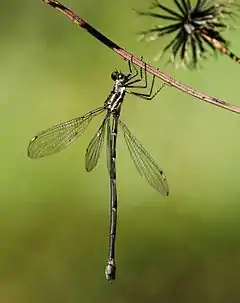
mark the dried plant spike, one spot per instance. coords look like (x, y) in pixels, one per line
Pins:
(198, 28)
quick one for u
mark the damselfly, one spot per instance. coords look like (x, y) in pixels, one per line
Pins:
(58, 137)
(125, 54)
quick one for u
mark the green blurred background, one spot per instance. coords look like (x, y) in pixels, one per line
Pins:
(54, 215)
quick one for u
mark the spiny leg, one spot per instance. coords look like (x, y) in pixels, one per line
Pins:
(144, 94)
(149, 95)
(144, 78)
(132, 66)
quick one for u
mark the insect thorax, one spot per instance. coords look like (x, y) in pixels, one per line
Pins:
(115, 98)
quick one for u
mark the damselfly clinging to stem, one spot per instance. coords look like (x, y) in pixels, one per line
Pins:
(60, 136)
(79, 21)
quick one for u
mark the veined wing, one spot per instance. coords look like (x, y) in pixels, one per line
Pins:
(58, 137)
(144, 163)
(95, 147)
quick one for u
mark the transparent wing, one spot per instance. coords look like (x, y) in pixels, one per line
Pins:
(144, 163)
(58, 137)
(95, 147)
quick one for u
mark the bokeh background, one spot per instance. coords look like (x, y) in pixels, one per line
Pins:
(54, 216)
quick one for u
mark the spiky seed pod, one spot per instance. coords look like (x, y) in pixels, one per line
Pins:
(197, 28)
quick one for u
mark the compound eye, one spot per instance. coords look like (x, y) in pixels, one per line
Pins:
(121, 76)
(114, 76)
